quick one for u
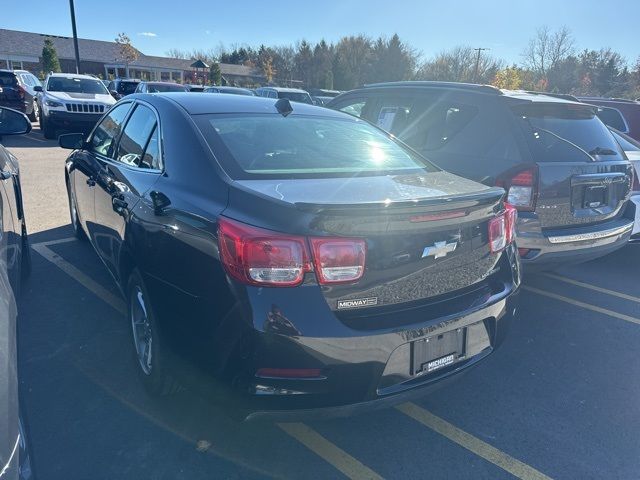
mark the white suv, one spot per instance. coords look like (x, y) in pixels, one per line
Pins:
(71, 102)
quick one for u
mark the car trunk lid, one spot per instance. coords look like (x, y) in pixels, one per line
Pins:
(426, 234)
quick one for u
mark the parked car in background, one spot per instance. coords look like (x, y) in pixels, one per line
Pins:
(323, 92)
(195, 88)
(631, 148)
(17, 91)
(15, 263)
(71, 102)
(321, 101)
(618, 113)
(230, 90)
(121, 87)
(293, 94)
(158, 87)
(301, 257)
(560, 165)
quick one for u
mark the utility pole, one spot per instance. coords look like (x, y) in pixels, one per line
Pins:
(75, 35)
(475, 75)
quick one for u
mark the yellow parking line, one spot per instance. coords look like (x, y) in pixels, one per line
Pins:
(105, 295)
(588, 306)
(473, 444)
(329, 452)
(595, 288)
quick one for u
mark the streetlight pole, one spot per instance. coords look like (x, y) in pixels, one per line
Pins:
(475, 75)
(75, 35)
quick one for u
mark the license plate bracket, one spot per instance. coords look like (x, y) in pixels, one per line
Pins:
(438, 351)
(595, 196)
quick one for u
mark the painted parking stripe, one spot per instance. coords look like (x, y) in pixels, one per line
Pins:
(94, 287)
(329, 452)
(56, 242)
(595, 288)
(514, 466)
(588, 306)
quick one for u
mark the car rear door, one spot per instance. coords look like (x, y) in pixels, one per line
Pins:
(581, 174)
(124, 178)
(87, 166)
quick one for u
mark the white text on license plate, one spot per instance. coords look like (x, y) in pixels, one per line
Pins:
(440, 362)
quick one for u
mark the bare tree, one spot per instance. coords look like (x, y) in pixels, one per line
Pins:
(126, 52)
(458, 65)
(547, 49)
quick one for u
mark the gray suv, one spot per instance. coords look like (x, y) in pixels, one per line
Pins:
(562, 168)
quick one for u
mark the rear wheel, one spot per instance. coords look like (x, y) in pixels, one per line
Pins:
(149, 351)
(33, 116)
(47, 130)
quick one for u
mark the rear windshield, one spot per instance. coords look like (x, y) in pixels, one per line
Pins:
(127, 88)
(159, 87)
(297, 146)
(8, 79)
(566, 133)
(627, 143)
(76, 85)
(296, 97)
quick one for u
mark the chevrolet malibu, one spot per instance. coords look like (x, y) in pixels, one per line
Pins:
(291, 256)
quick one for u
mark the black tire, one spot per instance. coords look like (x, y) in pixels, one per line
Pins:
(152, 369)
(33, 116)
(25, 267)
(73, 213)
(47, 130)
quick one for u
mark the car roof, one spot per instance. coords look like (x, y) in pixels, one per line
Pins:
(163, 83)
(284, 89)
(231, 104)
(72, 75)
(434, 84)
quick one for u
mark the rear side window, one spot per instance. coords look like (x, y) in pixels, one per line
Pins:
(127, 88)
(135, 138)
(613, 118)
(566, 132)
(305, 147)
(628, 144)
(103, 138)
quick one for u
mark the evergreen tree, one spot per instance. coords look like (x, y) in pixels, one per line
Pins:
(50, 62)
(215, 76)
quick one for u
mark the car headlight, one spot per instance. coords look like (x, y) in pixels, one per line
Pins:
(52, 103)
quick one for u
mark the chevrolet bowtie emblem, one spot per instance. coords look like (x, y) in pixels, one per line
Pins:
(439, 249)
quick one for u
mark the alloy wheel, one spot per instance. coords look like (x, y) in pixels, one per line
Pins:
(142, 331)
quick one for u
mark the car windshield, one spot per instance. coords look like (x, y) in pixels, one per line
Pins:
(566, 132)
(306, 146)
(165, 87)
(296, 97)
(76, 85)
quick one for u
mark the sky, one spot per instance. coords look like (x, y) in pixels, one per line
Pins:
(505, 27)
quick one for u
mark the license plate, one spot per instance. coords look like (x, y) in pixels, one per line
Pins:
(440, 362)
(595, 197)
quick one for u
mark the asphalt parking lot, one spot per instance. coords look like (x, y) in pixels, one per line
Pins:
(557, 400)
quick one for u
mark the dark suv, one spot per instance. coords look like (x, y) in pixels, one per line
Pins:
(561, 167)
(121, 87)
(618, 113)
(17, 92)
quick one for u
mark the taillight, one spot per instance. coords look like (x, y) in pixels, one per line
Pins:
(261, 257)
(502, 229)
(21, 92)
(521, 189)
(338, 260)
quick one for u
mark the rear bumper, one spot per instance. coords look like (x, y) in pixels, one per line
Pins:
(634, 212)
(361, 370)
(553, 248)
(20, 105)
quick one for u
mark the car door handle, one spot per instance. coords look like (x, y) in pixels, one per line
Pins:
(119, 203)
(91, 182)
(5, 175)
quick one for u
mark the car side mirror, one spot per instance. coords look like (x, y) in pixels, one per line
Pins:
(160, 202)
(72, 141)
(37, 88)
(13, 122)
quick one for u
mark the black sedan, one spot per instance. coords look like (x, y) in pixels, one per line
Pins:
(15, 263)
(293, 256)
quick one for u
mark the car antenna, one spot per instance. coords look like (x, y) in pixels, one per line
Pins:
(284, 107)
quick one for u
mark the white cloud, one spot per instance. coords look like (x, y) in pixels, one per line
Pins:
(148, 34)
